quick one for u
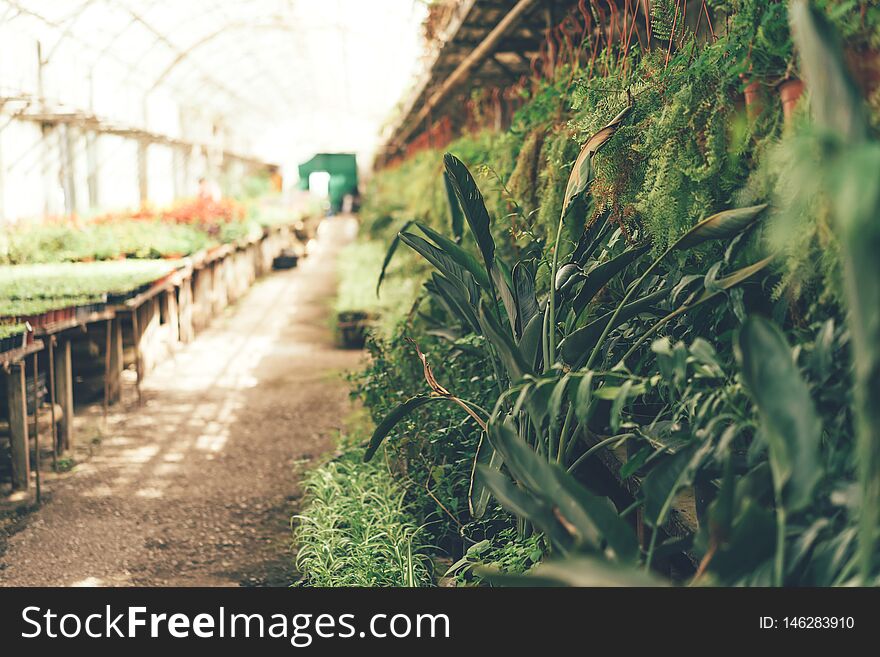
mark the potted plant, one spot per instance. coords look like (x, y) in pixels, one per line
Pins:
(790, 92)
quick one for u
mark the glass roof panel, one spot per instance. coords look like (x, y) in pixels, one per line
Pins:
(288, 77)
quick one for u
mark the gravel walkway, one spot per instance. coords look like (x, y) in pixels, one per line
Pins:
(197, 486)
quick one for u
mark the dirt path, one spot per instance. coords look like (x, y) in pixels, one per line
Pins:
(197, 487)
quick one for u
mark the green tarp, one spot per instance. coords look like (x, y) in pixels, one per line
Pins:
(342, 168)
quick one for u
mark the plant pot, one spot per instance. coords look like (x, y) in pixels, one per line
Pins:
(287, 259)
(790, 92)
(353, 327)
(865, 68)
(755, 98)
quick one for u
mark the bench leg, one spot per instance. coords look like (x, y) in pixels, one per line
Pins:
(18, 431)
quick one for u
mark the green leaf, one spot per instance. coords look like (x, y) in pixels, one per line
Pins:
(619, 402)
(504, 345)
(393, 418)
(591, 238)
(458, 254)
(455, 215)
(447, 265)
(666, 480)
(790, 421)
(839, 111)
(454, 298)
(590, 512)
(590, 519)
(724, 225)
(581, 171)
(524, 294)
(478, 495)
(473, 206)
(503, 289)
(556, 399)
(601, 275)
(521, 503)
(583, 399)
(392, 248)
(531, 341)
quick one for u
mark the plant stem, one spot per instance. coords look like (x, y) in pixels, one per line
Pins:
(554, 265)
(778, 569)
(563, 435)
(548, 363)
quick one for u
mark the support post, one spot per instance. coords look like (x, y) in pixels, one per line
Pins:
(64, 393)
(185, 310)
(16, 400)
(114, 371)
(169, 298)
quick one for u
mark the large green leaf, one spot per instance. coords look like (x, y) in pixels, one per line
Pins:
(601, 275)
(525, 505)
(471, 200)
(790, 422)
(532, 340)
(524, 294)
(455, 300)
(445, 263)
(590, 519)
(581, 171)
(724, 225)
(392, 249)
(502, 286)
(455, 215)
(503, 343)
(583, 399)
(583, 509)
(458, 254)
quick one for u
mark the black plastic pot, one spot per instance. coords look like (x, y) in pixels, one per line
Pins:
(353, 327)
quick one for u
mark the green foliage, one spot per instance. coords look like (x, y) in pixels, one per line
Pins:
(506, 553)
(33, 289)
(646, 343)
(355, 529)
(432, 449)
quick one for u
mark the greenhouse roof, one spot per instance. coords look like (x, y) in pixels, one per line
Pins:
(276, 74)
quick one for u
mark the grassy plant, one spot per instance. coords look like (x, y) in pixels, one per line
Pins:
(355, 529)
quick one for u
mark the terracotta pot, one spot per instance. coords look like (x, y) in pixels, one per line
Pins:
(865, 67)
(755, 102)
(790, 92)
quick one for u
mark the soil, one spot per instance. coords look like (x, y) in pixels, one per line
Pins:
(197, 486)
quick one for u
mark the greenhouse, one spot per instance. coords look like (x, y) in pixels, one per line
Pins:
(472, 294)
